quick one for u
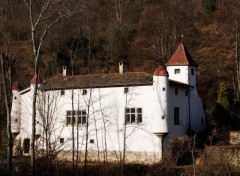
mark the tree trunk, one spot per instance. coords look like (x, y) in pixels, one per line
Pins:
(8, 109)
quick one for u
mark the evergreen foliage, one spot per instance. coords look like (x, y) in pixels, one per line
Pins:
(209, 5)
(223, 97)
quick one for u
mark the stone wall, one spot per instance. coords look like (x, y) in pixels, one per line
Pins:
(221, 155)
(112, 156)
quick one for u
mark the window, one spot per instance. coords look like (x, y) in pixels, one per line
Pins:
(91, 141)
(186, 93)
(133, 115)
(26, 145)
(61, 140)
(62, 92)
(176, 91)
(125, 90)
(163, 88)
(177, 71)
(84, 91)
(80, 116)
(15, 98)
(192, 71)
(176, 116)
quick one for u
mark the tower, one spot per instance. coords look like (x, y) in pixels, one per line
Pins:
(16, 109)
(181, 67)
(161, 88)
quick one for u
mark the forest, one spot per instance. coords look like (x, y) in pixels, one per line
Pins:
(93, 36)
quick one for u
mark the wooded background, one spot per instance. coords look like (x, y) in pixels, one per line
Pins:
(141, 33)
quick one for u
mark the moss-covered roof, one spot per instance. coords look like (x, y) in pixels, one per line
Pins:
(97, 80)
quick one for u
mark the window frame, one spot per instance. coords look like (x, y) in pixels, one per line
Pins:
(74, 117)
(133, 116)
(177, 71)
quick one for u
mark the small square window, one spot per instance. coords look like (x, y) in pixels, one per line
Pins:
(61, 140)
(125, 90)
(15, 98)
(163, 88)
(177, 71)
(92, 141)
(162, 117)
(84, 91)
(62, 92)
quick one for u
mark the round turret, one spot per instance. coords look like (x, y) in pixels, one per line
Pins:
(161, 88)
(16, 109)
(38, 131)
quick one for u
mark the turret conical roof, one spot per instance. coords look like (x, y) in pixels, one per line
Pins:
(181, 57)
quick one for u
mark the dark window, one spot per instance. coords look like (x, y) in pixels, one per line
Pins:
(26, 145)
(133, 115)
(62, 92)
(176, 116)
(163, 88)
(61, 140)
(192, 71)
(176, 91)
(177, 71)
(84, 91)
(92, 141)
(162, 117)
(15, 98)
(125, 90)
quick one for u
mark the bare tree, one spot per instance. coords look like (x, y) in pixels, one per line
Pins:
(7, 63)
(42, 16)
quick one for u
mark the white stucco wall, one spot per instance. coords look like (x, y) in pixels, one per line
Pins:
(106, 110)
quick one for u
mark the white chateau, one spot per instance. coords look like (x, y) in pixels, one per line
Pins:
(134, 111)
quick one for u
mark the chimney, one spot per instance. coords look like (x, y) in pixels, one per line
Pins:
(121, 68)
(64, 71)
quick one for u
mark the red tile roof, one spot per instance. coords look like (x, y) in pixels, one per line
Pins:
(160, 71)
(181, 57)
(15, 86)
